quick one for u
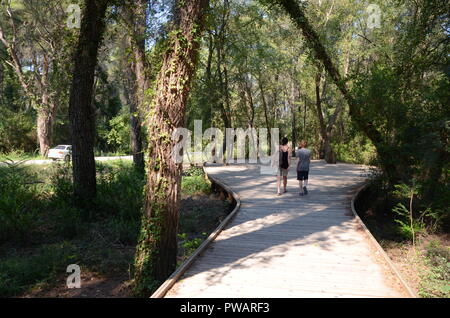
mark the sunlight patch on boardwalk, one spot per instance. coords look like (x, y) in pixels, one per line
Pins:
(290, 246)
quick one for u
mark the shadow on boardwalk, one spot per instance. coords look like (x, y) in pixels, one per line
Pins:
(287, 246)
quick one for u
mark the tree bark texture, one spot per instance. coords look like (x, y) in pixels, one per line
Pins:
(156, 253)
(81, 111)
(137, 21)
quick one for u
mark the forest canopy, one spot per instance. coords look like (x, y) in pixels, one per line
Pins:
(364, 82)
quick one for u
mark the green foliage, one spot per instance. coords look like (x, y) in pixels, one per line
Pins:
(120, 191)
(37, 213)
(197, 184)
(19, 273)
(189, 245)
(19, 199)
(46, 265)
(435, 281)
(61, 181)
(412, 222)
(117, 135)
(17, 131)
(123, 231)
(44, 213)
(410, 228)
(408, 110)
(19, 155)
(17, 126)
(357, 150)
(258, 71)
(193, 172)
(413, 227)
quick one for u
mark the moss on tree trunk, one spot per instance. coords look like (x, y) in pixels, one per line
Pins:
(157, 247)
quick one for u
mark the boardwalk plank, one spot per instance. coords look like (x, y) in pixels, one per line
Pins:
(290, 246)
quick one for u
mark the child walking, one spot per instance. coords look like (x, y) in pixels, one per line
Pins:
(304, 159)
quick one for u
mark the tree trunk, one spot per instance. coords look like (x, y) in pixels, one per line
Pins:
(294, 96)
(131, 92)
(137, 20)
(264, 103)
(326, 151)
(329, 156)
(249, 102)
(156, 254)
(46, 111)
(305, 109)
(222, 94)
(81, 111)
(45, 119)
(322, 125)
(207, 99)
(136, 137)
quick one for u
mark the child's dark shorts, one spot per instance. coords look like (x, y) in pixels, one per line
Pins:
(302, 175)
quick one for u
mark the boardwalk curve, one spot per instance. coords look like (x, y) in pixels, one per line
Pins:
(290, 246)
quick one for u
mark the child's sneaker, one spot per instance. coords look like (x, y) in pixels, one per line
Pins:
(300, 194)
(305, 190)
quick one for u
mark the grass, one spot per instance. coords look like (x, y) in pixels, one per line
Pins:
(191, 185)
(435, 278)
(41, 232)
(44, 266)
(200, 214)
(19, 156)
(18, 272)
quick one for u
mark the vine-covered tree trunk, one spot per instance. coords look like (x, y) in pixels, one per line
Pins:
(81, 111)
(157, 247)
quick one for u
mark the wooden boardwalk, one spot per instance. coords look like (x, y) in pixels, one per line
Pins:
(290, 246)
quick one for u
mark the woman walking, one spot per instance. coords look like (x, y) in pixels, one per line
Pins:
(283, 165)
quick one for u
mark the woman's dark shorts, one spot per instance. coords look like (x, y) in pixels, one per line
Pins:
(302, 175)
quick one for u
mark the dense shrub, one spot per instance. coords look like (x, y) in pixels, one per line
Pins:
(17, 273)
(120, 190)
(191, 185)
(435, 279)
(19, 202)
(37, 211)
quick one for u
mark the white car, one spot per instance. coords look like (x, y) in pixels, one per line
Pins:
(62, 152)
